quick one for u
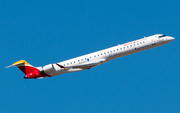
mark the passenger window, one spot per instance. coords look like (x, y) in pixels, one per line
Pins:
(140, 42)
(114, 50)
(131, 45)
(143, 41)
(134, 44)
(67, 63)
(104, 52)
(74, 62)
(127, 46)
(71, 62)
(137, 43)
(78, 60)
(117, 49)
(81, 59)
(121, 48)
(94, 55)
(124, 47)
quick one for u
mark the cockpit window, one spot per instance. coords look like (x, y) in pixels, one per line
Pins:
(162, 36)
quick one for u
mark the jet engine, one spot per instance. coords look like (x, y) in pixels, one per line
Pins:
(48, 68)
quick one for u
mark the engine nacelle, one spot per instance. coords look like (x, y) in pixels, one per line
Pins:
(48, 68)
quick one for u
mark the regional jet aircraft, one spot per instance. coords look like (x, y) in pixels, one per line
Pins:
(93, 59)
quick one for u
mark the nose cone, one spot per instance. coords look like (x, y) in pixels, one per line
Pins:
(170, 39)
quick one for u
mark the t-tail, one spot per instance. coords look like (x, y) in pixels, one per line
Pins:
(30, 71)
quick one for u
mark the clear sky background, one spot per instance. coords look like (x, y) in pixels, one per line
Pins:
(44, 32)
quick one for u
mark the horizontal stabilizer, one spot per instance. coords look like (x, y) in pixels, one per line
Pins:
(19, 63)
(8, 66)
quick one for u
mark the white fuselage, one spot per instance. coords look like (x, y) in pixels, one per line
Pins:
(94, 59)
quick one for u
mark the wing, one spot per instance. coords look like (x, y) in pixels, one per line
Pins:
(85, 65)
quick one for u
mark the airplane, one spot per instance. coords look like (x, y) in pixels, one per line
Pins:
(93, 59)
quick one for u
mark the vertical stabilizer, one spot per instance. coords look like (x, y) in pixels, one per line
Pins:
(25, 67)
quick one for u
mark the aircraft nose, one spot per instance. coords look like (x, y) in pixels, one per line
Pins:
(170, 38)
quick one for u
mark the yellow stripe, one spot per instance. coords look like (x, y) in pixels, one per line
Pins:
(20, 62)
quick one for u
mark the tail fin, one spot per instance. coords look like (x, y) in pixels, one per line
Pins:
(25, 67)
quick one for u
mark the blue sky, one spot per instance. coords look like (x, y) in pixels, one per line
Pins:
(44, 32)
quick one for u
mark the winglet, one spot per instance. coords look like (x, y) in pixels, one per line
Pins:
(60, 66)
